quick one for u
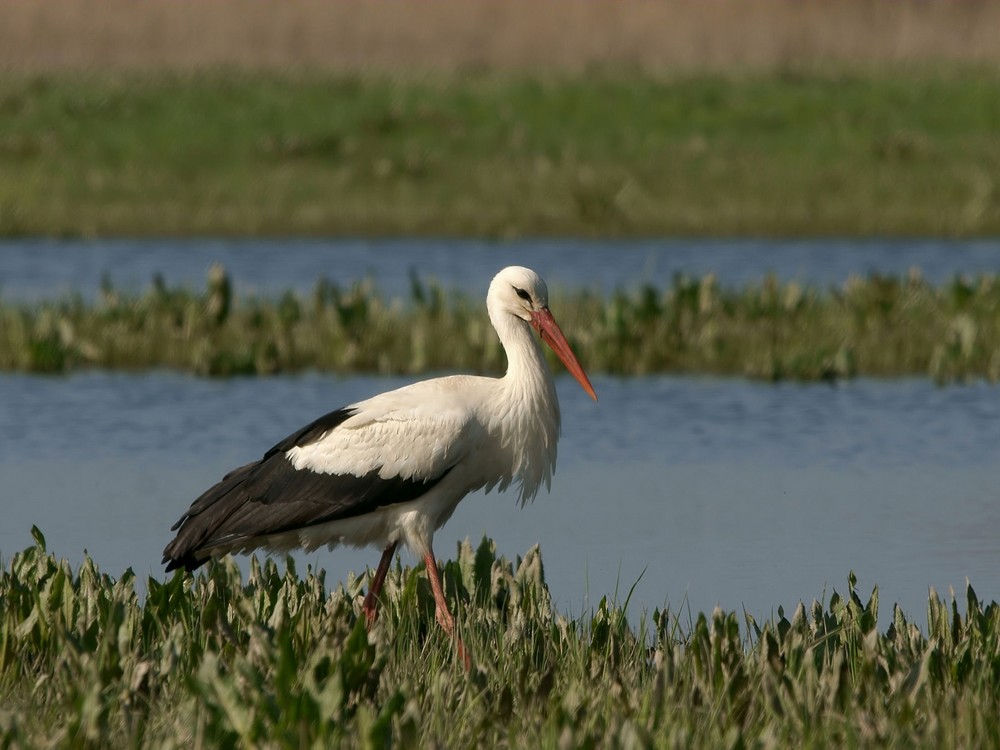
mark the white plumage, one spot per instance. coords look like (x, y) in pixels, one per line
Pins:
(393, 468)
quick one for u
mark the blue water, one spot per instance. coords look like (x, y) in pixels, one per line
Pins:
(39, 268)
(705, 491)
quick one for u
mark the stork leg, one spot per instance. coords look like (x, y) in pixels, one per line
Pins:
(443, 616)
(370, 604)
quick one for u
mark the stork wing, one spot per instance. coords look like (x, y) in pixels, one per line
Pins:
(346, 463)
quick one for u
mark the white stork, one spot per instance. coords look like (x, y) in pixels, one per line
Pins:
(394, 467)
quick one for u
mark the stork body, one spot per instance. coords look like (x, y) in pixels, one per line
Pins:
(393, 468)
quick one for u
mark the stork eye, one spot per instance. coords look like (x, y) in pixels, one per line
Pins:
(523, 294)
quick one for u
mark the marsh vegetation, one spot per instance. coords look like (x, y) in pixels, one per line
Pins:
(279, 658)
(871, 326)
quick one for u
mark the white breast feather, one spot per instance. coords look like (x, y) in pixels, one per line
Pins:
(526, 425)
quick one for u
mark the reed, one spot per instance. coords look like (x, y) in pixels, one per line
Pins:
(875, 326)
(280, 659)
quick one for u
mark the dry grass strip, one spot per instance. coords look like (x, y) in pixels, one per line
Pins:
(449, 35)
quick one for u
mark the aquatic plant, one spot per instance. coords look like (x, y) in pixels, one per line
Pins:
(278, 659)
(875, 326)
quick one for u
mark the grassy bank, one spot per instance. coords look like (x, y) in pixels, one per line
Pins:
(876, 326)
(881, 151)
(277, 660)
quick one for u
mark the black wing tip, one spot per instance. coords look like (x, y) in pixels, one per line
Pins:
(187, 563)
(176, 557)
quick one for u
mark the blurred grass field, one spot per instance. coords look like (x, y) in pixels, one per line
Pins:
(499, 119)
(888, 151)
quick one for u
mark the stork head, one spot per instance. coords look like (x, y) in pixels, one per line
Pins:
(522, 293)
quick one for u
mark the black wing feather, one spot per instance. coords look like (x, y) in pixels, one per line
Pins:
(307, 435)
(271, 496)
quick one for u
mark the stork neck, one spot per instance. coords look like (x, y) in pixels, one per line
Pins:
(527, 370)
(529, 427)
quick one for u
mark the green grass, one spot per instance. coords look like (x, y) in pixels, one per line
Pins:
(911, 151)
(876, 326)
(280, 660)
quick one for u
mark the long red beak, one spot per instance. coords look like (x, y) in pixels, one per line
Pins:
(543, 322)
